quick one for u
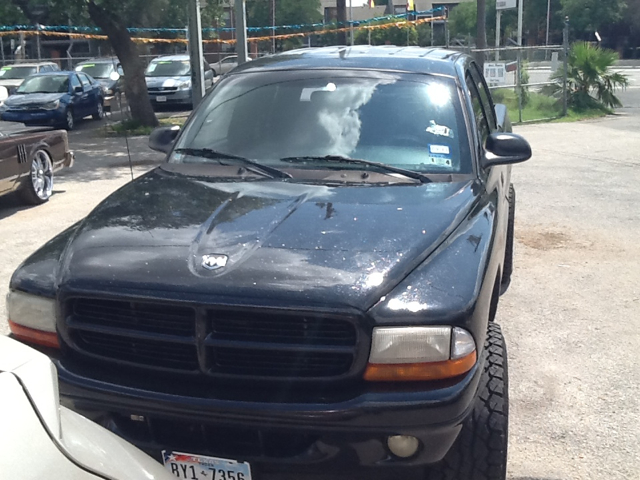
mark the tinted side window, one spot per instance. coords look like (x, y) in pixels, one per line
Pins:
(481, 119)
(75, 82)
(485, 95)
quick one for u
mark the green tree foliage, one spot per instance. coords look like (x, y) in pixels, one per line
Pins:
(288, 12)
(591, 81)
(588, 16)
(463, 20)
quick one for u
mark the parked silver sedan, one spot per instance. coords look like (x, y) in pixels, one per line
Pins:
(169, 80)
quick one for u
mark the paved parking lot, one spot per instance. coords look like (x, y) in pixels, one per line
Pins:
(571, 317)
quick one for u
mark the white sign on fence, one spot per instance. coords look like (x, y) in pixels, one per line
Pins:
(495, 73)
(505, 4)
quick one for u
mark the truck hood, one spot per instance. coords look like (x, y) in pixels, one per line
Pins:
(306, 245)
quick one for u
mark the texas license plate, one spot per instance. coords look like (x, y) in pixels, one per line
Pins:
(188, 466)
(161, 98)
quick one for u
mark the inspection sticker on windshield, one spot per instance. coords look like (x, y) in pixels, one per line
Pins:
(189, 466)
(439, 155)
(439, 149)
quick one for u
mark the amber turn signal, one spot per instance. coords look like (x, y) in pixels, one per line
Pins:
(380, 372)
(31, 335)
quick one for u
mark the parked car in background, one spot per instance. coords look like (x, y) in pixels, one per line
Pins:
(56, 99)
(28, 161)
(4, 94)
(11, 76)
(169, 80)
(41, 439)
(308, 285)
(225, 65)
(108, 72)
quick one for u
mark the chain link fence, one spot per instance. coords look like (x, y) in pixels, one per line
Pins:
(528, 80)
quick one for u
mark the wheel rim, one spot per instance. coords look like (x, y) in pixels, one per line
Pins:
(42, 175)
(100, 111)
(70, 119)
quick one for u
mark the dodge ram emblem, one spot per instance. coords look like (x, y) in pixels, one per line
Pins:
(214, 262)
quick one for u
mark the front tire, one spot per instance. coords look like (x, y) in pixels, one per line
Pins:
(69, 122)
(99, 115)
(480, 451)
(38, 187)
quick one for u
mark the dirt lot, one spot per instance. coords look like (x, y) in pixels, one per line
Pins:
(571, 317)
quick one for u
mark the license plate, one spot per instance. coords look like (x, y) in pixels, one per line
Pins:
(161, 98)
(189, 466)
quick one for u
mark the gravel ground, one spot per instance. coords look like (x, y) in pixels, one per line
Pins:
(571, 316)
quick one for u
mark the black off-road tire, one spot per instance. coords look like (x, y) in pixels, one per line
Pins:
(508, 254)
(480, 451)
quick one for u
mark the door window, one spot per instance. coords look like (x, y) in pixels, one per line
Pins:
(481, 120)
(75, 82)
(85, 80)
(485, 95)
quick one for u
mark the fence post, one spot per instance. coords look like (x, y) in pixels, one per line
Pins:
(519, 84)
(565, 45)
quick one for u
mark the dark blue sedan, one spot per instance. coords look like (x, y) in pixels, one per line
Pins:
(56, 99)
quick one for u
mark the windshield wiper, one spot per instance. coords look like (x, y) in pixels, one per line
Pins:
(216, 155)
(382, 166)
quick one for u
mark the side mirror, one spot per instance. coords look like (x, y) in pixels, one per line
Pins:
(162, 138)
(505, 149)
(78, 89)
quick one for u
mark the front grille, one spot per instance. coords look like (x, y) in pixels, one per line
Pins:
(214, 342)
(142, 317)
(277, 328)
(270, 363)
(162, 90)
(141, 351)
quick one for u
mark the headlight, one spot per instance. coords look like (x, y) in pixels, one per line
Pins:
(32, 318)
(109, 91)
(51, 105)
(185, 85)
(420, 353)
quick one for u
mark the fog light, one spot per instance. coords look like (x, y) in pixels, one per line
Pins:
(403, 446)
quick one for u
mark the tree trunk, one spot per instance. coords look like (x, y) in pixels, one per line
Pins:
(342, 20)
(135, 86)
(481, 33)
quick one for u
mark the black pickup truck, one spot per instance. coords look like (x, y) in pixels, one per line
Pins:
(308, 285)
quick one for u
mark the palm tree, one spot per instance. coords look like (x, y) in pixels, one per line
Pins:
(590, 78)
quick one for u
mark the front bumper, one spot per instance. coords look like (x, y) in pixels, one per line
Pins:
(39, 118)
(179, 97)
(338, 436)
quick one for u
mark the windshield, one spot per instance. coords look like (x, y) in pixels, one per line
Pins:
(45, 84)
(97, 70)
(15, 73)
(409, 121)
(169, 68)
